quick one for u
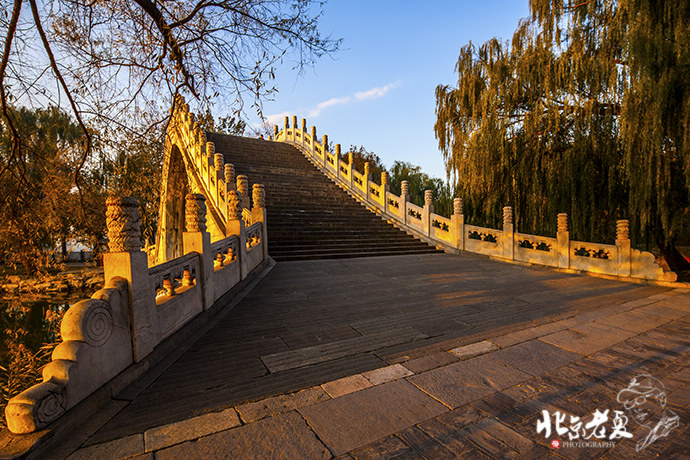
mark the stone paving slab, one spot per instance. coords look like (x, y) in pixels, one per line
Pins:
(587, 338)
(193, 428)
(535, 357)
(283, 436)
(316, 354)
(466, 381)
(376, 412)
(257, 410)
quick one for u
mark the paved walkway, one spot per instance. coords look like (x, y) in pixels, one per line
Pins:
(430, 356)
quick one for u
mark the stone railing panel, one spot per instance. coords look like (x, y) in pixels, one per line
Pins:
(254, 245)
(178, 293)
(226, 269)
(377, 195)
(441, 228)
(483, 240)
(536, 249)
(358, 182)
(395, 206)
(413, 216)
(594, 257)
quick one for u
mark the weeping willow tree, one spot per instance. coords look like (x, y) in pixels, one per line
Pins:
(586, 111)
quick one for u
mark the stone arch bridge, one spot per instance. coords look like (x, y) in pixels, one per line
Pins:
(206, 334)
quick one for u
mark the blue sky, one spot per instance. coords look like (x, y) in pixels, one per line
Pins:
(378, 90)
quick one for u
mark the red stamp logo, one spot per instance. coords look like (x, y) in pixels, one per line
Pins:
(555, 443)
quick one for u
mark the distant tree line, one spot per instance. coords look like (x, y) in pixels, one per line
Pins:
(417, 180)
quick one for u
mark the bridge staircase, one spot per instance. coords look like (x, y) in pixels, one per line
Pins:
(308, 216)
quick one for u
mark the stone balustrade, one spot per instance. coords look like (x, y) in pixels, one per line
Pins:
(140, 306)
(452, 233)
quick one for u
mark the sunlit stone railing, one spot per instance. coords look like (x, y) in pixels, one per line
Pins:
(141, 305)
(453, 234)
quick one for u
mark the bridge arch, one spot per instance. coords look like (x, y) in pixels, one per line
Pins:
(188, 167)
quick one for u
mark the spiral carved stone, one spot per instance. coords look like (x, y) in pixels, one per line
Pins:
(457, 206)
(562, 222)
(313, 133)
(50, 407)
(404, 188)
(195, 212)
(275, 131)
(507, 215)
(234, 205)
(623, 229)
(304, 125)
(210, 149)
(294, 122)
(350, 158)
(259, 196)
(243, 185)
(384, 179)
(122, 220)
(324, 142)
(366, 169)
(96, 322)
(287, 123)
(428, 197)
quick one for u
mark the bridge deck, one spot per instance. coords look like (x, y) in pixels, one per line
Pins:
(311, 322)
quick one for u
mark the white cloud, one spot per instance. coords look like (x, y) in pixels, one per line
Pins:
(375, 93)
(277, 118)
(315, 111)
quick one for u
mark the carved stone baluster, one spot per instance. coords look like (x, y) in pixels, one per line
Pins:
(563, 241)
(243, 188)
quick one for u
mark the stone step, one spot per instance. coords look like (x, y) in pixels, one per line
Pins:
(310, 217)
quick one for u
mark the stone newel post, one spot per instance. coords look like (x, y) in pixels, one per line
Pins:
(275, 132)
(126, 259)
(294, 128)
(563, 241)
(428, 209)
(458, 224)
(304, 129)
(624, 247)
(259, 213)
(366, 177)
(324, 144)
(235, 226)
(404, 198)
(218, 161)
(384, 191)
(287, 126)
(243, 188)
(508, 233)
(197, 239)
(338, 173)
(230, 176)
(313, 140)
